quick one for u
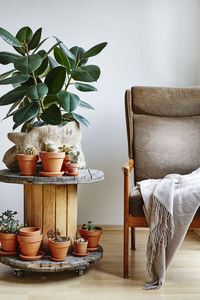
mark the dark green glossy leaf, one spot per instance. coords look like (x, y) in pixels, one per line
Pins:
(10, 112)
(62, 59)
(16, 125)
(26, 113)
(42, 68)
(52, 63)
(28, 64)
(85, 105)
(26, 101)
(13, 96)
(94, 50)
(15, 79)
(81, 120)
(68, 117)
(31, 81)
(9, 38)
(6, 74)
(52, 49)
(24, 34)
(34, 42)
(49, 100)
(65, 49)
(68, 101)
(25, 125)
(7, 57)
(40, 44)
(78, 53)
(52, 115)
(84, 87)
(55, 79)
(37, 91)
(88, 73)
(38, 123)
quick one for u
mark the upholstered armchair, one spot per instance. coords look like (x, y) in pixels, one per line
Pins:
(163, 129)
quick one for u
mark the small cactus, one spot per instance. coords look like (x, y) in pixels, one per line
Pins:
(74, 157)
(89, 226)
(50, 147)
(65, 149)
(30, 150)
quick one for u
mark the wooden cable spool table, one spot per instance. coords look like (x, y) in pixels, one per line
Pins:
(50, 203)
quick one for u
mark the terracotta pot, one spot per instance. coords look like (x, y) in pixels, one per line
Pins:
(80, 248)
(8, 241)
(92, 237)
(66, 163)
(52, 161)
(72, 169)
(29, 245)
(59, 249)
(30, 231)
(27, 164)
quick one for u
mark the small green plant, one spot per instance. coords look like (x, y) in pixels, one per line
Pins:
(50, 147)
(30, 150)
(65, 149)
(56, 236)
(74, 157)
(8, 223)
(89, 226)
(81, 240)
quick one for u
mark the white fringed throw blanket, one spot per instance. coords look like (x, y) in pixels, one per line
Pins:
(169, 205)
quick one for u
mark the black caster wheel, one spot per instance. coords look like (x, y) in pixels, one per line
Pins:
(79, 272)
(18, 273)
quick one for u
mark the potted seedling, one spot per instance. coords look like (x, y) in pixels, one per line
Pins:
(28, 161)
(52, 161)
(73, 166)
(58, 245)
(80, 247)
(67, 158)
(92, 234)
(8, 234)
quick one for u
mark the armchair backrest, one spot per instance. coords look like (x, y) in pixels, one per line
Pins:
(163, 129)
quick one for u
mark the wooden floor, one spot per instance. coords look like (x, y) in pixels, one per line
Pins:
(104, 280)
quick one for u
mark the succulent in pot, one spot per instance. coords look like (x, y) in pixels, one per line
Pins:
(41, 83)
(52, 160)
(67, 158)
(8, 234)
(58, 244)
(92, 234)
(80, 247)
(72, 169)
(28, 161)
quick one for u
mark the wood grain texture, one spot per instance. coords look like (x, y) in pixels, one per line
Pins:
(85, 176)
(27, 204)
(61, 208)
(37, 206)
(49, 212)
(71, 211)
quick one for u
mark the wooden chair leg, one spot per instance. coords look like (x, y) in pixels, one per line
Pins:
(133, 238)
(126, 245)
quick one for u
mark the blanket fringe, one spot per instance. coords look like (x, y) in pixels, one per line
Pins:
(161, 232)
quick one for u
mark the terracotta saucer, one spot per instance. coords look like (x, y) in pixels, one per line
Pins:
(93, 249)
(51, 174)
(7, 253)
(31, 258)
(81, 255)
(71, 174)
(58, 259)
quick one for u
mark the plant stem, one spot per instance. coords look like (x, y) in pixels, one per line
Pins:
(42, 104)
(34, 78)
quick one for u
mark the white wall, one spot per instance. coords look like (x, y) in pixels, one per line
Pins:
(151, 42)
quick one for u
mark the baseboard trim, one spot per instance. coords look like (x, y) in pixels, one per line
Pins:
(109, 227)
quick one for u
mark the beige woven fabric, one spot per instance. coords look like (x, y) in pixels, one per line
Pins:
(165, 145)
(162, 101)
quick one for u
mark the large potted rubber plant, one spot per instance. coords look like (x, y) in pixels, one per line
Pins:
(41, 83)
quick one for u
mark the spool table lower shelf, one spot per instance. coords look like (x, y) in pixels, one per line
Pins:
(71, 263)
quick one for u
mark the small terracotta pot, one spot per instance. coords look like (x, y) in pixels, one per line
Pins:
(66, 163)
(92, 237)
(30, 231)
(52, 161)
(27, 164)
(59, 249)
(72, 169)
(80, 248)
(29, 245)
(8, 241)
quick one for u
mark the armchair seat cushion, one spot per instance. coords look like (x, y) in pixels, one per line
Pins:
(136, 204)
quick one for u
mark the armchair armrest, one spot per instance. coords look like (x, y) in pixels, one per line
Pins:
(128, 166)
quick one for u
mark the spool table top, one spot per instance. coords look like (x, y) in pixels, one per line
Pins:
(85, 176)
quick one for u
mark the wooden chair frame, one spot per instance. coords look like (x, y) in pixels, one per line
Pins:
(133, 222)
